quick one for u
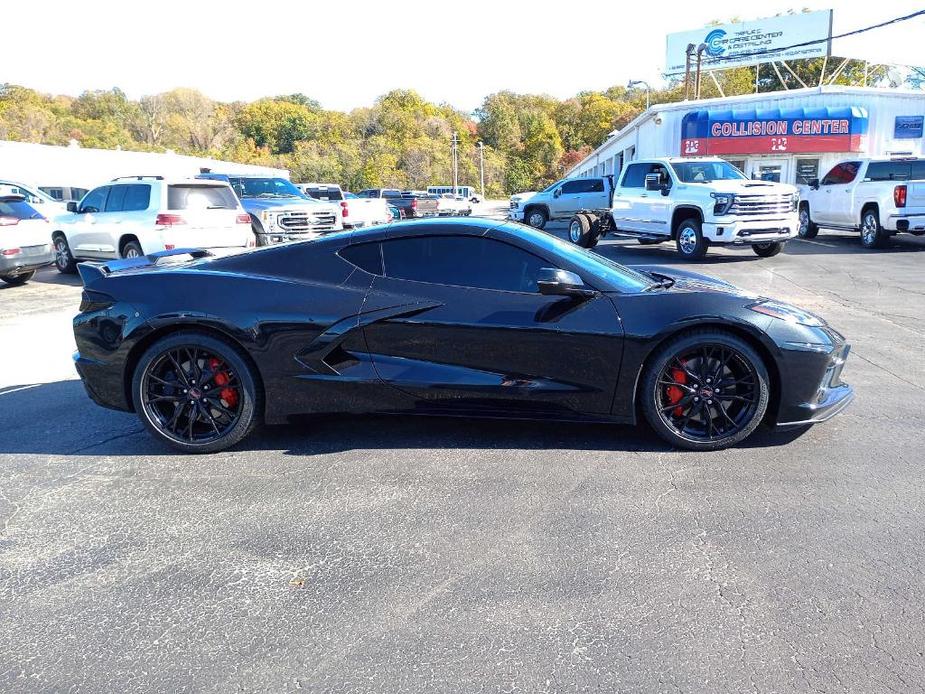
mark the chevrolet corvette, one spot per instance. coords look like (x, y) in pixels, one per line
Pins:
(445, 317)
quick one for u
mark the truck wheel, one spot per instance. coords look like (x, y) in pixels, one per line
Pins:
(690, 242)
(769, 249)
(872, 234)
(579, 231)
(536, 217)
(808, 229)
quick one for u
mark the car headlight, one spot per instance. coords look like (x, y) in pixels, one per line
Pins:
(785, 312)
(722, 202)
(795, 202)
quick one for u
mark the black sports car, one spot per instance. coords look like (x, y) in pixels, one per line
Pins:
(458, 317)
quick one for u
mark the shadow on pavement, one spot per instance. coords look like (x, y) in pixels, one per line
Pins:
(59, 419)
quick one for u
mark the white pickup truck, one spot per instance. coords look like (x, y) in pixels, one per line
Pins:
(356, 212)
(878, 197)
(692, 201)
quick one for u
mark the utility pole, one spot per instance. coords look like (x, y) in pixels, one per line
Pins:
(455, 163)
(481, 146)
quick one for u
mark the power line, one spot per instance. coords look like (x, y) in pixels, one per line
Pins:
(739, 56)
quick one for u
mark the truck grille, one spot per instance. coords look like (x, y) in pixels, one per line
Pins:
(307, 221)
(744, 205)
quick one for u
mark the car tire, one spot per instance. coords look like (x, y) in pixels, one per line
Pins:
(580, 231)
(808, 229)
(746, 400)
(769, 249)
(149, 377)
(132, 249)
(536, 217)
(872, 234)
(64, 261)
(18, 280)
(689, 240)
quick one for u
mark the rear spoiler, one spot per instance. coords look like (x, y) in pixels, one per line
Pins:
(92, 271)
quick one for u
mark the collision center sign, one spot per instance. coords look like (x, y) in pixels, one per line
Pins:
(773, 131)
(749, 43)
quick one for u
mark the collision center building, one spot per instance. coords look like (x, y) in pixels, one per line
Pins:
(787, 136)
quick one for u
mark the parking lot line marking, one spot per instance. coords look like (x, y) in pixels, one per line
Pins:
(19, 388)
(817, 243)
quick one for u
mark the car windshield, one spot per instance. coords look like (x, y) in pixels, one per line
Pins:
(592, 264)
(706, 171)
(17, 208)
(252, 187)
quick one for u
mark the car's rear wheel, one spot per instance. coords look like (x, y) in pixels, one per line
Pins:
(769, 249)
(705, 390)
(195, 393)
(581, 230)
(17, 280)
(64, 261)
(872, 234)
(132, 249)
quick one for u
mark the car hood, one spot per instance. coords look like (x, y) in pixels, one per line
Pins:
(261, 204)
(519, 197)
(687, 281)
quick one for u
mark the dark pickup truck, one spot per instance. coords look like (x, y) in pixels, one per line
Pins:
(411, 206)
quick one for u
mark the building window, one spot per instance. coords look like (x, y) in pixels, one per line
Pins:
(807, 170)
(738, 163)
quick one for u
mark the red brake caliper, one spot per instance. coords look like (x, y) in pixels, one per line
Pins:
(228, 395)
(674, 393)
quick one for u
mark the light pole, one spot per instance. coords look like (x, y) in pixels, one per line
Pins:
(636, 83)
(481, 146)
(455, 166)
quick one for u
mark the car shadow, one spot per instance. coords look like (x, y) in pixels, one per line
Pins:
(59, 419)
(50, 275)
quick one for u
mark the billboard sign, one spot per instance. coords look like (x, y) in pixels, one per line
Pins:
(773, 131)
(749, 43)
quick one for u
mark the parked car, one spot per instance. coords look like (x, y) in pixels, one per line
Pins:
(279, 211)
(356, 212)
(25, 241)
(412, 205)
(40, 200)
(460, 192)
(456, 317)
(692, 201)
(448, 205)
(138, 215)
(64, 194)
(395, 214)
(878, 197)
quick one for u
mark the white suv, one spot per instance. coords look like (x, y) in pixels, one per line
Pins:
(138, 215)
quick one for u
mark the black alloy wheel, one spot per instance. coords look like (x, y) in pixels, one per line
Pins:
(195, 392)
(705, 391)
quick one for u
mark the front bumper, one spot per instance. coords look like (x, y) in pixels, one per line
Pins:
(739, 231)
(814, 399)
(30, 258)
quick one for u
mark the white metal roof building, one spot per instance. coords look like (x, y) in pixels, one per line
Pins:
(788, 136)
(50, 165)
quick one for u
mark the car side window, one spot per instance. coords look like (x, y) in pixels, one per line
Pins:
(95, 201)
(663, 174)
(841, 173)
(137, 197)
(464, 261)
(366, 256)
(573, 187)
(595, 185)
(635, 176)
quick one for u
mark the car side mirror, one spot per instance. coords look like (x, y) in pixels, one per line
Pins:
(653, 182)
(555, 282)
(557, 192)
(814, 184)
(72, 206)
(666, 189)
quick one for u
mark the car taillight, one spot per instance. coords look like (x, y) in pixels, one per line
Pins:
(10, 251)
(8, 221)
(169, 246)
(899, 196)
(95, 301)
(169, 220)
(343, 209)
(243, 218)
(414, 203)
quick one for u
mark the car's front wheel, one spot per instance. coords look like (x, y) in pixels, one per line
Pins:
(537, 217)
(195, 392)
(705, 390)
(64, 261)
(690, 242)
(808, 229)
(768, 249)
(18, 280)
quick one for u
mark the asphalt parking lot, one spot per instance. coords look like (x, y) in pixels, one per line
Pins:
(373, 554)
